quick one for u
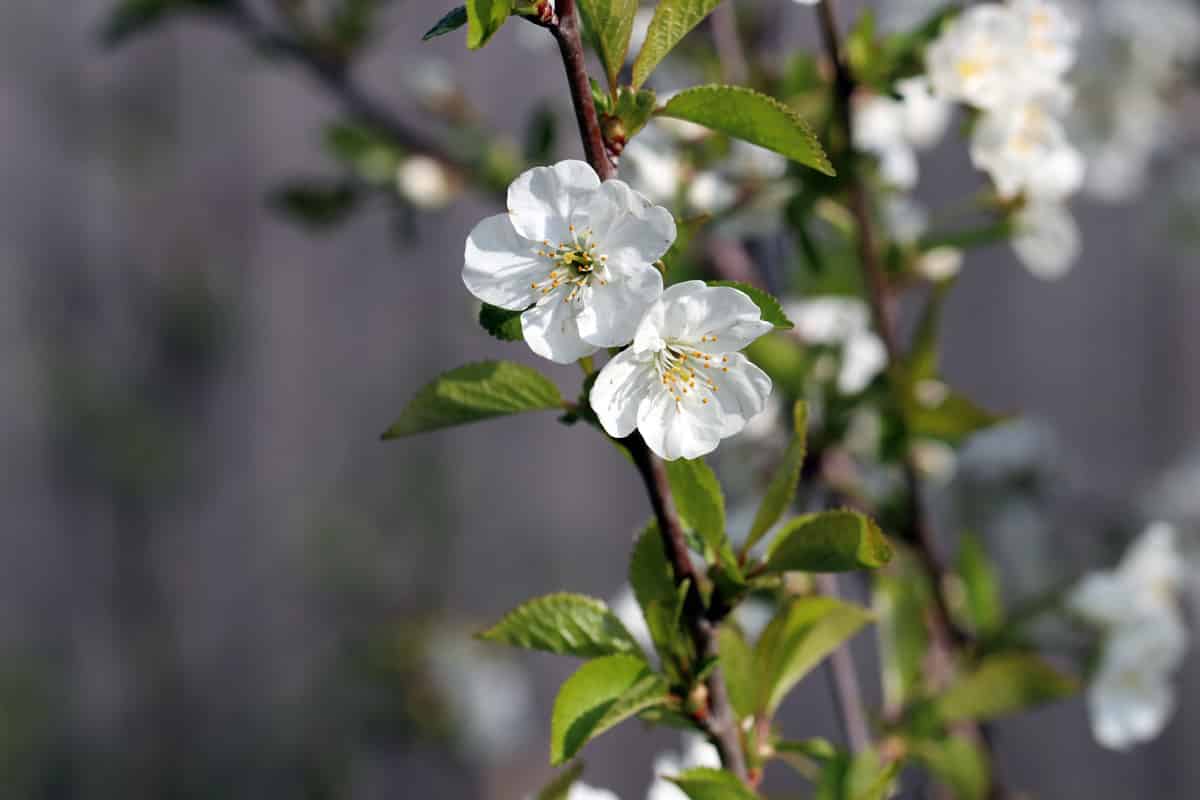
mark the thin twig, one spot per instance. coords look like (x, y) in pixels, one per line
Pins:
(728, 44)
(847, 693)
(719, 722)
(946, 637)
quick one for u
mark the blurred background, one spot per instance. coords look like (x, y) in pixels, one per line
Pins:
(216, 581)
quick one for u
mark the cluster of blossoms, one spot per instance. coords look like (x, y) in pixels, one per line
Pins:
(1137, 605)
(577, 257)
(1008, 62)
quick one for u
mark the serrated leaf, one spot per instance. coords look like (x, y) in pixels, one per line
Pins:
(737, 665)
(802, 634)
(828, 541)
(706, 783)
(751, 116)
(653, 581)
(1004, 684)
(473, 393)
(768, 304)
(957, 762)
(609, 24)
(484, 18)
(599, 695)
(672, 20)
(984, 607)
(501, 323)
(315, 204)
(701, 505)
(566, 624)
(560, 787)
(782, 490)
(454, 19)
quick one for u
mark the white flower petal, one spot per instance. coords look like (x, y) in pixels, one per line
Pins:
(612, 311)
(551, 332)
(500, 265)
(626, 226)
(1047, 240)
(620, 390)
(677, 430)
(742, 391)
(863, 357)
(696, 311)
(542, 200)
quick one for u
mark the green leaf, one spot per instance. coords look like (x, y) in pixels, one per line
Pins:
(957, 762)
(768, 304)
(798, 638)
(501, 323)
(861, 777)
(567, 624)
(737, 665)
(783, 486)
(900, 601)
(599, 695)
(476, 392)
(984, 607)
(829, 541)
(946, 414)
(371, 154)
(673, 19)
(541, 134)
(609, 24)
(316, 204)
(1004, 684)
(701, 505)
(653, 581)
(706, 783)
(453, 20)
(634, 109)
(756, 118)
(484, 18)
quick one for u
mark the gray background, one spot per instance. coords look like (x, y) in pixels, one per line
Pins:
(183, 630)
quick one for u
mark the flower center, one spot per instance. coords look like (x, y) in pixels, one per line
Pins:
(680, 368)
(574, 263)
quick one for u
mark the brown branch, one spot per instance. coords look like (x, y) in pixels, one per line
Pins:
(847, 693)
(719, 722)
(566, 33)
(946, 637)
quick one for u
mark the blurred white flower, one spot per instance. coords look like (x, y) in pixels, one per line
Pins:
(1051, 35)
(1025, 149)
(843, 322)
(906, 220)
(682, 383)
(1137, 605)
(925, 114)
(424, 182)
(893, 130)
(711, 193)
(1047, 240)
(1131, 697)
(697, 752)
(652, 165)
(490, 699)
(940, 263)
(981, 58)
(577, 253)
(935, 460)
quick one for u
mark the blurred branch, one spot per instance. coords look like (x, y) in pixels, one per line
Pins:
(946, 637)
(333, 73)
(719, 723)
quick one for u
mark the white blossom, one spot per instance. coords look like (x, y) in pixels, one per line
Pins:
(424, 182)
(843, 322)
(981, 58)
(578, 254)
(682, 383)
(1025, 149)
(1137, 604)
(1047, 239)
(940, 263)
